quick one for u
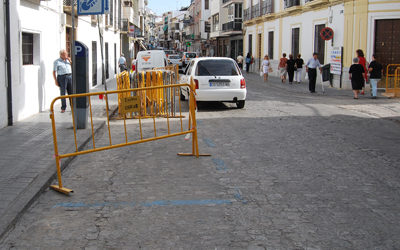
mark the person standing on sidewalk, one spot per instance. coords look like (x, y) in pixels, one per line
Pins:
(291, 67)
(62, 75)
(248, 62)
(239, 60)
(356, 75)
(311, 68)
(265, 67)
(299, 69)
(282, 67)
(122, 63)
(363, 62)
(376, 70)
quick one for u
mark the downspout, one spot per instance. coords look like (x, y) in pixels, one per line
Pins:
(8, 63)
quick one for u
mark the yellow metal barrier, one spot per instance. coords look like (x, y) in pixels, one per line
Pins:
(123, 82)
(392, 80)
(129, 104)
(159, 103)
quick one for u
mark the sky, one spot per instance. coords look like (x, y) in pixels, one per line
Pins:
(161, 6)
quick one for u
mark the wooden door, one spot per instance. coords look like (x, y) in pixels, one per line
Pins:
(387, 44)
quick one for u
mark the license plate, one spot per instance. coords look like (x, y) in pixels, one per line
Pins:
(219, 84)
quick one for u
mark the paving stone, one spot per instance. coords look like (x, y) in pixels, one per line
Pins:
(304, 172)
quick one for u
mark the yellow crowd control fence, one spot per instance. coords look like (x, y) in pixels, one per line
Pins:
(392, 80)
(155, 102)
(131, 103)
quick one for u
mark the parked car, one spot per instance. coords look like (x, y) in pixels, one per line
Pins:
(216, 79)
(150, 59)
(187, 57)
(175, 59)
(169, 52)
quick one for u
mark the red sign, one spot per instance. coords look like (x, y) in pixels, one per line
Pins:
(326, 34)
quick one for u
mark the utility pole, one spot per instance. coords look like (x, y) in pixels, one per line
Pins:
(73, 47)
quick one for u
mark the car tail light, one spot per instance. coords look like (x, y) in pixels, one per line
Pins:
(242, 83)
(197, 83)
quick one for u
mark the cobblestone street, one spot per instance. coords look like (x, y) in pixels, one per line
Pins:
(292, 170)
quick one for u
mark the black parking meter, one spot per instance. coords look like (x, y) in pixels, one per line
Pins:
(82, 84)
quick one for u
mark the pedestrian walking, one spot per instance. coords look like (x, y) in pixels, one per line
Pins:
(239, 60)
(376, 70)
(62, 75)
(291, 67)
(265, 67)
(282, 67)
(311, 68)
(362, 62)
(299, 68)
(122, 63)
(248, 62)
(356, 75)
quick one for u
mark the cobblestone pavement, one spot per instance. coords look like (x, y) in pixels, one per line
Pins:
(27, 156)
(291, 170)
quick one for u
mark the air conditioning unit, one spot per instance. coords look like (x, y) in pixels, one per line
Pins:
(231, 18)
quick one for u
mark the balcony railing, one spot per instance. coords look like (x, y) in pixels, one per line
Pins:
(267, 7)
(124, 25)
(247, 14)
(291, 3)
(232, 26)
(255, 11)
(258, 10)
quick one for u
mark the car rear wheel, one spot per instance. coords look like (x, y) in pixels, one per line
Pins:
(240, 104)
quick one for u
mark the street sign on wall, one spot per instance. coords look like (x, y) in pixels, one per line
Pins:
(326, 34)
(91, 7)
(336, 61)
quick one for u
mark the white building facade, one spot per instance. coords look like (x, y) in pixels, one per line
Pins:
(293, 27)
(39, 30)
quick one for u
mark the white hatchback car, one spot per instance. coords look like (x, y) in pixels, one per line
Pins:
(175, 59)
(216, 79)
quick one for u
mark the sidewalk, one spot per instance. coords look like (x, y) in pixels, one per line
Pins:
(27, 163)
(382, 107)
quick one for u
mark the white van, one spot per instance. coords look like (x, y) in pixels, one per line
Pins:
(150, 59)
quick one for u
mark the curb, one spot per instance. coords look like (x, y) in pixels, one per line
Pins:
(36, 188)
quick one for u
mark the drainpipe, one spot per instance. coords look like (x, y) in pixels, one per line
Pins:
(8, 63)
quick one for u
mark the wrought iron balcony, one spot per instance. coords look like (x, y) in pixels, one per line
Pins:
(291, 3)
(232, 26)
(247, 14)
(257, 10)
(124, 25)
(267, 7)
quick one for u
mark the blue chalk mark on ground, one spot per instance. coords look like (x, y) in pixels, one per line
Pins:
(209, 143)
(144, 204)
(238, 196)
(219, 163)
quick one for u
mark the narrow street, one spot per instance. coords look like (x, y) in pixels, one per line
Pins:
(292, 170)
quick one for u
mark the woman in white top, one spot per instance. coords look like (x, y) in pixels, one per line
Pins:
(265, 65)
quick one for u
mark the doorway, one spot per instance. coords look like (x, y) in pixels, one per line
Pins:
(387, 45)
(106, 59)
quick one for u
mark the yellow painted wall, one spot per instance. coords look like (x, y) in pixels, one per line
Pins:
(355, 30)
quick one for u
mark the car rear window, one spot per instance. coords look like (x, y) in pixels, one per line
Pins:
(174, 57)
(216, 68)
(191, 55)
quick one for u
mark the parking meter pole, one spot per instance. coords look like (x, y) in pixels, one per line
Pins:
(73, 54)
(82, 84)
